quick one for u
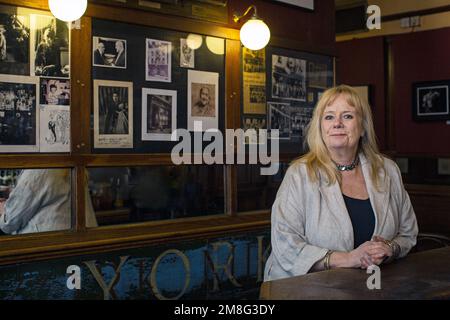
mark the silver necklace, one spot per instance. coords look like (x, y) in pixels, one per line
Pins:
(348, 167)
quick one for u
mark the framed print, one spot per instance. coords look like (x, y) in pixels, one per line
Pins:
(158, 60)
(14, 42)
(55, 91)
(280, 118)
(19, 117)
(288, 78)
(109, 52)
(203, 99)
(187, 55)
(159, 114)
(364, 92)
(50, 55)
(113, 114)
(54, 128)
(317, 75)
(431, 100)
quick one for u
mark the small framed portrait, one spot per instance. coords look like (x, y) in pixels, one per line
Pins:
(113, 114)
(19, 116)
(203, 100)
(55, 91)
(50, 56)
(279, 117)
(431, 100)
(109, 52)
(158, 66)
(187, 55)
(159, 114)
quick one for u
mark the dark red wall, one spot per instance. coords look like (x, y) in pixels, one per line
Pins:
(361, 62)
(418, 56)
(316, 28)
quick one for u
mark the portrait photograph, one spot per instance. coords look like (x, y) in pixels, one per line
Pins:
(203, 99)
(159, 114)
(288, 78)
(14, 42)
(113, 114)
(279, 117)
(187, 55)
(109, 52)
(431, 100)
(54, 128)
(55, 91)
(158, 57)
(318, 75)
(251, 122)
(49, 47)
(19, 118)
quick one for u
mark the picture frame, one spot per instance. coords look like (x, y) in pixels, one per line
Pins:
(159, 114)
(430, 100)
(113, 114)
(365, 92)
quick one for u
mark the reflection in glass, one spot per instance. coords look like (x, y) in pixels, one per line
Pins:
(136, 194)
(35, 200)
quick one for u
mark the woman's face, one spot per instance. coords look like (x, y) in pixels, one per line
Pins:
(341, 126)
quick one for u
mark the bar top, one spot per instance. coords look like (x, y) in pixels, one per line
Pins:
(423, 275)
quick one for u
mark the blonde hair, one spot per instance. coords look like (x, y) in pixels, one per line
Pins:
(318, 159)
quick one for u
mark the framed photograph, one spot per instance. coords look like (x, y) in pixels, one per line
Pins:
(19, 117)
(431, 100)
(317, 75)
(203, 99)
(159, 114)
(55, 91)
(254, 122)
(109, 52)
(14, 42)
(288, 78)
(280, 118)
(158, 58)
(113, 114)
(54, 128)
(50, 55)
(300, 118)
(187, 55)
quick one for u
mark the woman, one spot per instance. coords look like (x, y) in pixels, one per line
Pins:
(342, 205)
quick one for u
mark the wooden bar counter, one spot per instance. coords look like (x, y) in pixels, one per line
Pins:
(423, 275)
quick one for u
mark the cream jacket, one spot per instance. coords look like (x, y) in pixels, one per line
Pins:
(310, 218)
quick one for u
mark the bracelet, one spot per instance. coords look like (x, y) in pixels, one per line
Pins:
(326, 261)
(395, 250)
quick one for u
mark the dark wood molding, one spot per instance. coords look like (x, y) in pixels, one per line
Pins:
(423, 12)
(33, 247)
(389, 90)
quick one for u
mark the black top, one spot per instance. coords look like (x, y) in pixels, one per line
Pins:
(362, 217)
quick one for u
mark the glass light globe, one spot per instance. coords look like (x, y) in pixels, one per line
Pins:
(67, 10)
(215, 45)
(255, 34)
(194, 41)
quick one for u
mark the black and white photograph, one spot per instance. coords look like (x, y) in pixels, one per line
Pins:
(187, 55)
(55, 91)
(257, 94)
(113, 114)
(159, 60)
(288, 78)
(54, 128)
(300, 116)
(317, 75)
(49, 47)
(279, 117)
(14, 42)
(251, 122)
(431, 100)
(159, 114)
(203, 99)
(109, 52)
(253, 60)
(19, 123)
